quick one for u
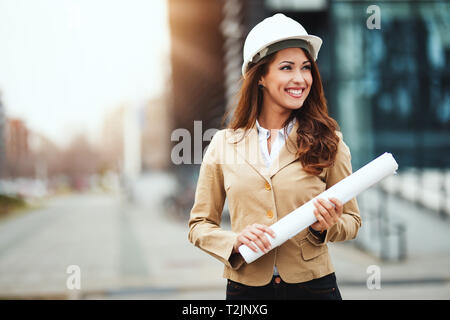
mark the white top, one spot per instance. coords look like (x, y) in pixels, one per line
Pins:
(263, 135)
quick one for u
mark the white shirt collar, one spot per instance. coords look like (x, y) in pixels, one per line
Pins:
(266, 132)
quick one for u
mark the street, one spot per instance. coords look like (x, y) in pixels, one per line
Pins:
(137, 251)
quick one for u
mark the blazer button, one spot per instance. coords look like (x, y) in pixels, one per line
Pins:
(267, 186)
(270, 214)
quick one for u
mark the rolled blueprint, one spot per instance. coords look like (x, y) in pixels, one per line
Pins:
(345, 190)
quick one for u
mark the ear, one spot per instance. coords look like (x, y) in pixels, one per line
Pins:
(262, 82)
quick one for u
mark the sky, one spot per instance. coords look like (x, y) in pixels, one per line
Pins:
(65, 63)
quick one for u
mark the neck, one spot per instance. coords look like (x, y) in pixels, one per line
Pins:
(270, 118)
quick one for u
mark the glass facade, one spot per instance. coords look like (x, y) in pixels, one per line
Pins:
(390, 86)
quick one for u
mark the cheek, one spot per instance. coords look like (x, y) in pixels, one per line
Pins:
(309, 82)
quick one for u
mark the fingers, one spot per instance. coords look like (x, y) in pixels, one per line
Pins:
(329, 207)
(339, 207)
(323, 225)
(254, 236)
(258, 238)
(245, 240)
(265, 229)
(324, 216)
(249, 241)
(328, 212)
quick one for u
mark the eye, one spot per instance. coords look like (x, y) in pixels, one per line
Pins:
(307, 67)
(284, 67)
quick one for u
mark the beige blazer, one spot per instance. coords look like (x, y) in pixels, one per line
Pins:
(256, 194)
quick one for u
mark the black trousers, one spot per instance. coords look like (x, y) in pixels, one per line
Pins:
(324, 288)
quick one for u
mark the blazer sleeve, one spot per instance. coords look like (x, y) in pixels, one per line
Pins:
(205, 217)
(349, 223)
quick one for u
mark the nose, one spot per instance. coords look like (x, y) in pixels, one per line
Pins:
(298, 77)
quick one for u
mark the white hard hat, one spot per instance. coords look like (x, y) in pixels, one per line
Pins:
(276, 33)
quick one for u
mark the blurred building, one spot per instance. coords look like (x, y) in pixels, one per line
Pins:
(18, 160)
(391, 85)
(112, 140)
(47, 156)
(2, 138)
(197, 63)
(155, 134)
(151, 120)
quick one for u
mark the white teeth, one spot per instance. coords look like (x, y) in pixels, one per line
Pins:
(295, 92)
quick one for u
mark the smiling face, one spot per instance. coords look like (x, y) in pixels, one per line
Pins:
(288, 80)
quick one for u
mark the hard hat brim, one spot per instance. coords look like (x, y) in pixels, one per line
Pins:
(314, 41)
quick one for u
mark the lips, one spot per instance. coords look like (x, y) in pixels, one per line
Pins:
(295, 92)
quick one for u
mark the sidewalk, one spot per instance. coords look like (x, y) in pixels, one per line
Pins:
(137, 251)
(124, 251)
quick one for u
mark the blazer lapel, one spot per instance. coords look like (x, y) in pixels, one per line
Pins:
(249, 150)
(288, 152)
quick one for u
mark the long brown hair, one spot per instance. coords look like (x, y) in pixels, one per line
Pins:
(317, 141)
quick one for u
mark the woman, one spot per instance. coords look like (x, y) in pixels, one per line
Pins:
(280, 150)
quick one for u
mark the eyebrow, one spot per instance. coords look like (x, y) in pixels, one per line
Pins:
(290, 62)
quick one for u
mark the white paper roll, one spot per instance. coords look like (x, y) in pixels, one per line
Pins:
(344, 190)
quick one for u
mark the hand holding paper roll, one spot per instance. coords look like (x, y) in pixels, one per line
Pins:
(256, 236)
(344, 190)
(327, 213)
